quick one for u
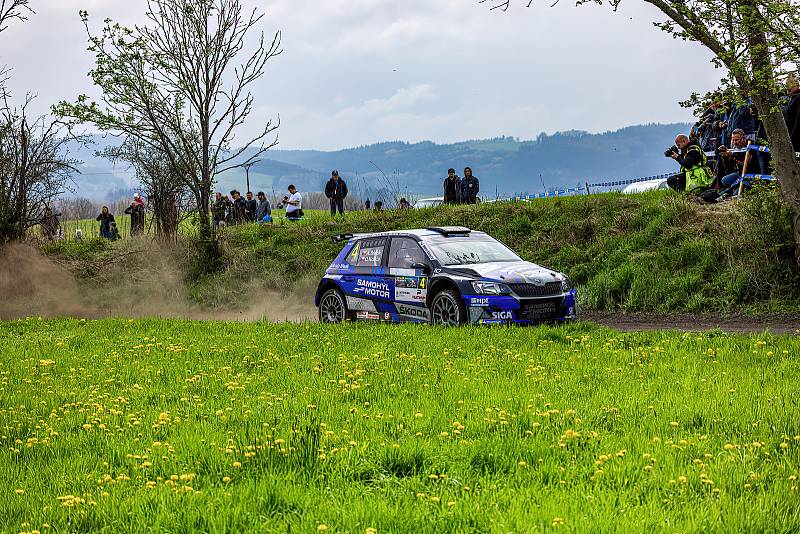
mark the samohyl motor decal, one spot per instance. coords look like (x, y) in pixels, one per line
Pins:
(442, 275)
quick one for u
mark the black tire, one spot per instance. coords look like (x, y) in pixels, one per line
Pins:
(447, 309)
(332, 307)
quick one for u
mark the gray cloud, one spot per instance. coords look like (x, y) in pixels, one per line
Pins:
(360, 71)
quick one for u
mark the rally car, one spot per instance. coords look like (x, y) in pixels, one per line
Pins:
(448, 276)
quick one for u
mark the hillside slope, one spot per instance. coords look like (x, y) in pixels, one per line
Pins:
(654, 252)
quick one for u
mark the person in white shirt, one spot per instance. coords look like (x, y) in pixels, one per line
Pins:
(294, 204)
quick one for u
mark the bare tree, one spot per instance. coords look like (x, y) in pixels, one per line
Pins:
(175, 87)
(13, 9)
(34, 169)
(757, 41)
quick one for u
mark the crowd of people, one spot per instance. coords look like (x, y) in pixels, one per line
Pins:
(234, 209)
(714, 157)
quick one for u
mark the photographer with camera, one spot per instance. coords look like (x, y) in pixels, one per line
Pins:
(694, 177)
(293, 204)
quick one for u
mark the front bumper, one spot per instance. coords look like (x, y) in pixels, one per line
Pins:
(508, 309)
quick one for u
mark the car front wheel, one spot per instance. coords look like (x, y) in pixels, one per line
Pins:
(447, 310)
(332, 307)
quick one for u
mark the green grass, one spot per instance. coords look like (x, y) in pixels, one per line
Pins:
(172, 426)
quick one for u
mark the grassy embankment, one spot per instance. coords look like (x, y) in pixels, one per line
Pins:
(223, 427)
(654, 252)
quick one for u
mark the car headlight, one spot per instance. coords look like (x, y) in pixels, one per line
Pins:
(491, 288)
(566, 285)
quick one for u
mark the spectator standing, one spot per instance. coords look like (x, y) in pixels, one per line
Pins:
(405, 204)
(336, 191)
(218, 209)
(136, 211)
(470, 187)
(238, 208)
(452, 188)
(252, 207)
(105, 219)
(792, 112)
(114, 232)
(263, 209)
(378, 205)
(693, 177)
(367, 204)
(294, 204)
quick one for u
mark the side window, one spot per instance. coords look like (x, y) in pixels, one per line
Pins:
(367, 253)
(404, 253)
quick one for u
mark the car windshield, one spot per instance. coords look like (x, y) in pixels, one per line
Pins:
(469, 250)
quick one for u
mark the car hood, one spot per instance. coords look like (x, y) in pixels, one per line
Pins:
(513, 272)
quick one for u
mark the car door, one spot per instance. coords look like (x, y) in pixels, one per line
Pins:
(369, 289)
(409, 269)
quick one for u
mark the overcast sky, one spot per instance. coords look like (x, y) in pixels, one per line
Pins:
(362, 71)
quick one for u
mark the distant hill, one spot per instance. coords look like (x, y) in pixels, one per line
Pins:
(504, 164)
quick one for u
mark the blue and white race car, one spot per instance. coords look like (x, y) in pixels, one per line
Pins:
(447, 276)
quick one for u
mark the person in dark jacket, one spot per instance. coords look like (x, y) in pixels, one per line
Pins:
(470, 187)
(219, 209)
(262, 207)
(740, 118)
(367, 204)
(452, 188)
(105, 219)
(238, 209)
(792, 112)
(707, 127)
(252, 207)
(114, 232)
(336, 191)
(136, 211)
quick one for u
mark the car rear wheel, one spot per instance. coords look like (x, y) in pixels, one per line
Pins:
(447, 310)
(332, 307)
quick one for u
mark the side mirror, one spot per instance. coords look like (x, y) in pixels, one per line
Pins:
(424, 267)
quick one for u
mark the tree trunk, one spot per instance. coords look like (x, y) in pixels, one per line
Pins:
(786, 166)
(765, 97)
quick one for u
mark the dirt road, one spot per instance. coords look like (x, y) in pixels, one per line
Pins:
(775, 324)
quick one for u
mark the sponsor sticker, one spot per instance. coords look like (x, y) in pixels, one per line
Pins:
(427, 250)
(368, 315)
(503, 315)
(479, 302)
(340, 267)
(372, 288)
(414, 312)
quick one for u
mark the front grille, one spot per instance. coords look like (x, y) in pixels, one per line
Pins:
(541, 310)
(532, 290)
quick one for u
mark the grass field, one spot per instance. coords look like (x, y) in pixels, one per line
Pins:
(171, 426)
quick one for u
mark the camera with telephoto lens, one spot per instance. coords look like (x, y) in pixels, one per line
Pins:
(670, 151)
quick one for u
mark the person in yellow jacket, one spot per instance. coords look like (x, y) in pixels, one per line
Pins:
(694, 177)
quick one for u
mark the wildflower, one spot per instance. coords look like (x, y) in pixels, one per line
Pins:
(557, 521)
(371, 530)
(322, 528)
(729, 447)
(19, 491)
(237, 465)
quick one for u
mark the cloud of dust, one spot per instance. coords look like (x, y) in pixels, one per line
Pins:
(146, 283)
